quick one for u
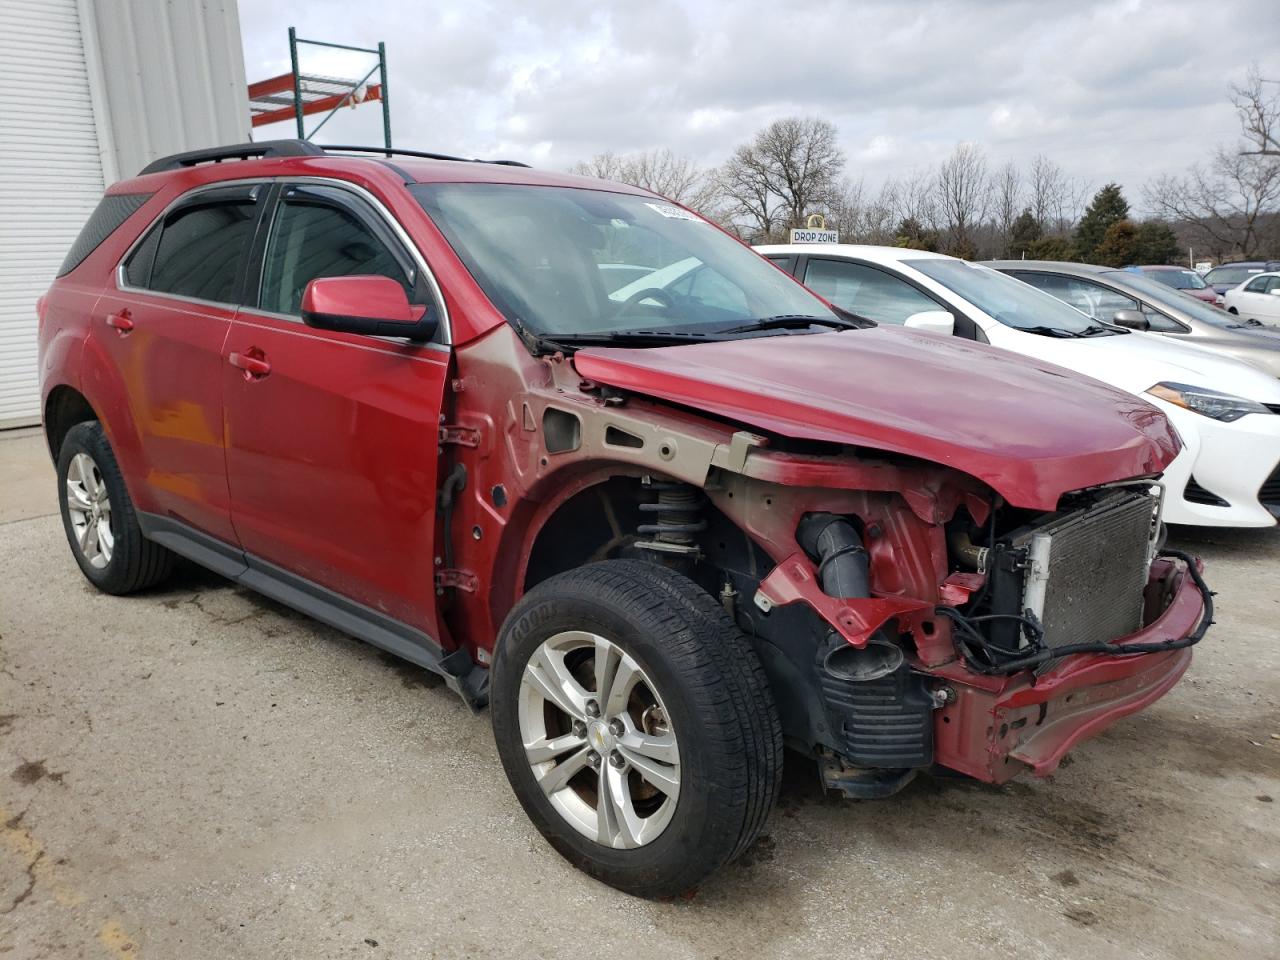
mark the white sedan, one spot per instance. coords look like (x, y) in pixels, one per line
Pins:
(1228, 474)
(1258, 298)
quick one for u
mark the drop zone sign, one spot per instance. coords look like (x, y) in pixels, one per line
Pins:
(807, 235)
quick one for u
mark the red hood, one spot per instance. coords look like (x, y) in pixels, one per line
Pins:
(1030, 430)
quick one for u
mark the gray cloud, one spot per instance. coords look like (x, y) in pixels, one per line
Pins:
(1111, 90)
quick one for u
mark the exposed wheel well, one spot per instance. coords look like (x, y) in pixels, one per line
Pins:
(64, 409)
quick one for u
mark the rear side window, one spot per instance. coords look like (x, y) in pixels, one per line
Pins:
(202, 247)
(137, 268)
(866, 291)
(110, 212)
(1088, 298)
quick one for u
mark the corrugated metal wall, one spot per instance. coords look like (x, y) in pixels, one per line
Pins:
(50, 176)
(91, 91)
(172, 78)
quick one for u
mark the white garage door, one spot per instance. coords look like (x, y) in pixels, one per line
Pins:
(50, 177)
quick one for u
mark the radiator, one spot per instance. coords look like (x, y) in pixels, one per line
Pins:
(1087, 570)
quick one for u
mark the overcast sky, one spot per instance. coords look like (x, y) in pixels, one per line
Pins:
(1121, 90)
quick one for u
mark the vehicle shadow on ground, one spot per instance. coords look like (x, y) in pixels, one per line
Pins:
(1251, 544)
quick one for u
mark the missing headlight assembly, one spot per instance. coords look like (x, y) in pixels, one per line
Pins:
(1070, 582)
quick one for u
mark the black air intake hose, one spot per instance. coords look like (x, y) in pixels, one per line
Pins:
(843, 569)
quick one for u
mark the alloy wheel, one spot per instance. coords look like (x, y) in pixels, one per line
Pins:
(599, 740)
(89, 508)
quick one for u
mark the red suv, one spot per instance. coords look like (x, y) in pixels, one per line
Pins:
(661, 529)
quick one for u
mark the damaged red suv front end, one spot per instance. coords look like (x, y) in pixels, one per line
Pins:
(1014, 602)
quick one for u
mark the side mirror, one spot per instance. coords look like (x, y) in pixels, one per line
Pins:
(1133, 319)
(1274, 291)
(932, 321)
(372, 305)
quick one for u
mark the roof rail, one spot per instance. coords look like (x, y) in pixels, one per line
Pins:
(397, 152)
(238, 151)
(269, 149)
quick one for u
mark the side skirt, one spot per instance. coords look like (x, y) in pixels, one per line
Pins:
(460, 673)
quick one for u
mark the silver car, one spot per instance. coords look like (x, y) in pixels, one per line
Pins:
(1129, 299)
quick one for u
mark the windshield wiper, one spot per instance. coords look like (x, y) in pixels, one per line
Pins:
(1098, 329)
(1051, 331)
(649, 338)
(792, 321)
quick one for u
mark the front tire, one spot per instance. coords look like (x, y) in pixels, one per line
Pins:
(636, 726)
(99, 518)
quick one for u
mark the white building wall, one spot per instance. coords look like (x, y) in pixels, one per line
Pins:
(170, 74)
(50, 177)
(91, 91)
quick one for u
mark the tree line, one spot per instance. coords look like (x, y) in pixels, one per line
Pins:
(1225, 208)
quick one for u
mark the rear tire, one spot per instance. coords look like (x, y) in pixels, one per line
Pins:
(699, 677)
(99, 519)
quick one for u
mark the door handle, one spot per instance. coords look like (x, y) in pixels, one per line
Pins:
(253, 362)
(120, 321)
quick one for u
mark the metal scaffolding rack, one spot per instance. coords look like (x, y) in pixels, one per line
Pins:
(300, 95)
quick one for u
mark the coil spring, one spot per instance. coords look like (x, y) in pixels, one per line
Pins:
(677, 513)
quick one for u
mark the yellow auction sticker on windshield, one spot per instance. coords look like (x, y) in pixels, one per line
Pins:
(672, 212)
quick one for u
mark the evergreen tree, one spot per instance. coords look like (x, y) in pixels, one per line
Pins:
(1107, 207)
(1119, 245)
(1024, 232)
(913, 235)
(1051, 248)
(1156, 243)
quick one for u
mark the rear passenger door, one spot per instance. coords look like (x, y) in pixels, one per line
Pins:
(867, 291)
(163, 323)
(332, 437)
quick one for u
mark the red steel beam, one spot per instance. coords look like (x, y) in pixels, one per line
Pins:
(264, 88)
(323, 105)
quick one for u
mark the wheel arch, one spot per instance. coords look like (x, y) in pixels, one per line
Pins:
(63, 409)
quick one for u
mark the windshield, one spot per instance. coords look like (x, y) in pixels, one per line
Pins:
(564, 261)
(1162, 296)
(1178, 279)
(1010, 301)
(1230, 275)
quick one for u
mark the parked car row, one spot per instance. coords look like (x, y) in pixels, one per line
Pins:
(1228, 473)
(658, 505)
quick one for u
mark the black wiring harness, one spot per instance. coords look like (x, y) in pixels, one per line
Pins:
(983, 656)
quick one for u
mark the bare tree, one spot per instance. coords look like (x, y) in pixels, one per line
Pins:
(789, 169)
(1048, 187)
(964, 194)
(914, 197)
(1006, 189)
(661, 171)
(1230, 205)
(604, 166)
(1259, 109)
(1226, 204)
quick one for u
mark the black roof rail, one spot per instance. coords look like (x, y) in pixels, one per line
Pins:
(238, 151)
(421, 154)
(270, 149)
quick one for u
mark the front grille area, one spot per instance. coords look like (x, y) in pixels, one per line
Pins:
(1097, 569)
(1195, 493)
(1269, 492)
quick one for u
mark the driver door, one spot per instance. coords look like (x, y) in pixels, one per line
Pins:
(332, 437)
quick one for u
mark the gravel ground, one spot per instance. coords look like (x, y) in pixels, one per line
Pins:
(199, 772)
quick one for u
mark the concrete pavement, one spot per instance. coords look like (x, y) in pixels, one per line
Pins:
(199, 772)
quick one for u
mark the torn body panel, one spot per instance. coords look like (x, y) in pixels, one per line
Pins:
(555, 463)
